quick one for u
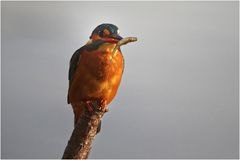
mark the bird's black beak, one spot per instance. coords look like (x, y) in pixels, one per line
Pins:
(116, 36)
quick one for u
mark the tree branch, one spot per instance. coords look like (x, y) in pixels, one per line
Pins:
(79, 145)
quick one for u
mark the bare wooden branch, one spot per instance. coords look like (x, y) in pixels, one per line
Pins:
(79, 145)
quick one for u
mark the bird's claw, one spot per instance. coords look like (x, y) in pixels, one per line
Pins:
(97, 105)
(90, 106)
(103, 105)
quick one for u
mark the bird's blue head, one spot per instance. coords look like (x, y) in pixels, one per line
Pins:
(106, 31)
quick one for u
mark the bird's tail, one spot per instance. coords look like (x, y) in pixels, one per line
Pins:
(78, 109)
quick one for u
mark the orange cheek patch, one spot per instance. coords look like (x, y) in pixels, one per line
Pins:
(106, 32)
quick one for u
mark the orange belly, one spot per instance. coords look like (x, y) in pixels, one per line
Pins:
(97, 77)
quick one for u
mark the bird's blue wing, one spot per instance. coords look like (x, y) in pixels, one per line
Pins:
(76, 58)
(73, 66)
(74, 63)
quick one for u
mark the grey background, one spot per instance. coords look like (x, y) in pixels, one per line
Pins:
(178, 97)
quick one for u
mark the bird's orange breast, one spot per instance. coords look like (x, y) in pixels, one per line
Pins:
(97, 76)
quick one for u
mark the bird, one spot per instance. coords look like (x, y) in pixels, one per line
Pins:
(95, 71)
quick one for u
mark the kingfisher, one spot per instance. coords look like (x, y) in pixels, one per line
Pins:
(96, 70)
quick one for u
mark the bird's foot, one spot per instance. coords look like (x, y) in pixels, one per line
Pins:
(99, 105)
(90, 106)
(103, 105)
